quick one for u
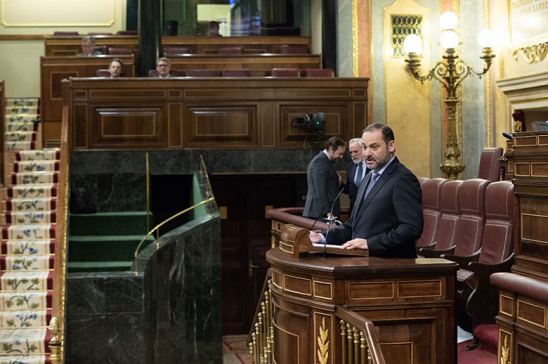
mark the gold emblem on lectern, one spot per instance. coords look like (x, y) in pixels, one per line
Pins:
(323, 343)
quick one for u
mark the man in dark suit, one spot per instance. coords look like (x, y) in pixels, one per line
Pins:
(356, 170)
(323, 181)
(387, 214)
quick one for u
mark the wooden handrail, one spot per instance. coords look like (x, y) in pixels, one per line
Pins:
(366, 327)
(57, 323)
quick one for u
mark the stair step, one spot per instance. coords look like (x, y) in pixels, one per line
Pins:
(99, 266)
(109, 223)
(85, 248)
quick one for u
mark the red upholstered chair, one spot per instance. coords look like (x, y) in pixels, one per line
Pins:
(201, 73)
(490, 165)
(119, 50)
(103, 73)
(175, 51)
(319, 72)
(152, 73)
(285, 72)
(450, 210)
(236, 73)
(294, 49)
(230, 50)
(64, 34)
(470, 222)
(474, 292)
(431, 211)
(126, 32)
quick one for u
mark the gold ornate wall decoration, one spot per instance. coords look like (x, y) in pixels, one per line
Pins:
(533, 53)
(401, 26)
(323, 343)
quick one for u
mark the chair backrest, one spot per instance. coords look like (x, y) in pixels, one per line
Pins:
(230, 50)
(489, 166)
(152, 73)
(294, 49)
(431, 197)
(498, 242)
(101, 49)
(174, 51)
(285, 72)
(201, 73)
(63, 34)
(126, 32)
(119, 50)
(450, 210)
(319, 72)
(236, 73)
(469, 229)
(103, 73)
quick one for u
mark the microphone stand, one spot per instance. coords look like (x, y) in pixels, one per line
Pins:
(331, 220)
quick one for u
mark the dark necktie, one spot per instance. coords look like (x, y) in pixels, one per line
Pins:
(359, 174)
(372, 181)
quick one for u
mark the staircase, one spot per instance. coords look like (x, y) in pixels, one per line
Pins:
(27, 218)
(105, 241)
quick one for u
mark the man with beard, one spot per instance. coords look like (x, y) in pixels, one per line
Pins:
(356, 170)
(387, 215)
(323, 181)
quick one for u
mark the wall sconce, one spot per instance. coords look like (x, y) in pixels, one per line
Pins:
(450, 72)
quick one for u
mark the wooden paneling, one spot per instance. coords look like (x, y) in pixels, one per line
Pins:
(411, 302)
(258, 64)
(56, 69)
(71, 45)
(212, 113)
(252, 44)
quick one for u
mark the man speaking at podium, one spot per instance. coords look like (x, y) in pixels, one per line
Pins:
(387, 215)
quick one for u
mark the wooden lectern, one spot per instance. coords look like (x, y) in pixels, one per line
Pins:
(295, 241)
(410, 301)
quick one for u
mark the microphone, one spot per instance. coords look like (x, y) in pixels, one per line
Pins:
(331, 219)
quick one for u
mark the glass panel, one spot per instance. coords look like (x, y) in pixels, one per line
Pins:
(236, 17)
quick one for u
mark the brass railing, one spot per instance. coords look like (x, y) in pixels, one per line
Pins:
(261, 337)
(359, 341)
(157, 227)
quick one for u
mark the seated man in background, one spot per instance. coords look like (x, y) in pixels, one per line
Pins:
(213, 29)
(387, 214)
(115, 68)
(324, 183)
(88, 47)
(163, 67)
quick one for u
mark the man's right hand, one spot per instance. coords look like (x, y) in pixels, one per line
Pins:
(315, 237)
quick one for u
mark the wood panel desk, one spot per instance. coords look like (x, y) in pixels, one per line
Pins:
(410, 301)
(53, 70)
(249, 44)
(258, 64)
(210, 113)
(71, 45)
(523, 295)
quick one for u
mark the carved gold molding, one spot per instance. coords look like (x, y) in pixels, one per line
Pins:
(533, 53)
(505, 351)
(323, 343)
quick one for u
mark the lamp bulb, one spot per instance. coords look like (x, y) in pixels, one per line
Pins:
(486, 38)
(449, 39)
(412, 44)
(449, 20)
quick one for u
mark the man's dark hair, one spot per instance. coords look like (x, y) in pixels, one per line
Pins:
(335, 142)
(117, 60)
(387, 133)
